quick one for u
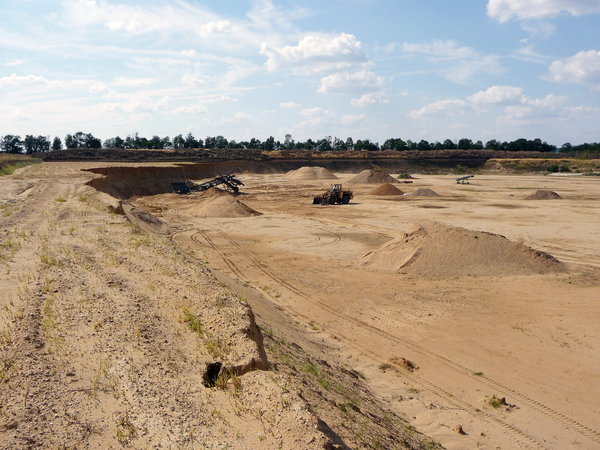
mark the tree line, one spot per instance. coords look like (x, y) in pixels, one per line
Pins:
(36, 144)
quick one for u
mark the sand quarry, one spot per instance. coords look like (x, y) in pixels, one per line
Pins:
(456, 316)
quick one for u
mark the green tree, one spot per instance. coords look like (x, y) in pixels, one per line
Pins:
(288, 142)
(449, 144)
(178, 141)
(350, 143)
(11, 144)
(192, 142)
(493, 144)
(566, 147)
(465, 144)
(366, 145)
(269, 144)
(56, 143)
(423, 145)
(115, 142)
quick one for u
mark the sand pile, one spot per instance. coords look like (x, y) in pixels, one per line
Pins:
(425, 192)
(310, 173)
(372, 177)
(434, 249)
(387, 189)
(216, 202)
(543, 194)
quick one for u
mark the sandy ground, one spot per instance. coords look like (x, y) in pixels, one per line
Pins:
(533, 340)
(110, 338)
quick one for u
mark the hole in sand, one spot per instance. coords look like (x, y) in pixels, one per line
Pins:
(212, 373)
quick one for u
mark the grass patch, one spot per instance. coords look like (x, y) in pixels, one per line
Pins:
(10, 163)
(310, 368)
(60, 199)
(193, 321)
(217, 347)
(126, 431)
(496, 402)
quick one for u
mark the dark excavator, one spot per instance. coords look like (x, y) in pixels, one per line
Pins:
(230, 182)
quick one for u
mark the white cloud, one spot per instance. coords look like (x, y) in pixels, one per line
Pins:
(350, 120)
(27, 80)
(289, 105)
(137, 104)
(217, 28)
(239, 119)
(193, 81)
(442, 107)
(456, 63)
(541, 30)
(550, 101)
(535, 109)
(134, 82)
(161, 62)
(504, 10)
(496, 94)
(316, 54)
(19, 114)
(583, 68)
(315, 112)
(131, 25)
(519, 105)
(369, 99)
(442, 49)
(346, 82)
(194, 109)
(16, 62)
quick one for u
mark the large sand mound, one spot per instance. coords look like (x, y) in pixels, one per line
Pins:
(543, 194)
(434, 249)
(310, 173)
(387, 189)
(216, 202)
(372, 177)
(425, 192)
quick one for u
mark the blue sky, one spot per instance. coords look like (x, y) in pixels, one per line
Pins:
(427, 69)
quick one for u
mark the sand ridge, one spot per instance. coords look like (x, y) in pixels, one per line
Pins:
(543, 194)
(424, 192)
(435, 249)
(386, 189)
(308, 173)
(219, 203)
(372, 176)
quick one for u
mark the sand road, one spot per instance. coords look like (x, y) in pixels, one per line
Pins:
(533, 339)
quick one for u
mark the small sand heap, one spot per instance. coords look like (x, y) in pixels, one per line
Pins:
(387, 189)
(425, 192)
(372, 177)
(434, 249)
(216, 202)
(543, 194)
(310, 173)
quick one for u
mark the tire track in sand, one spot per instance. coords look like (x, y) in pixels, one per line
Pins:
(515, 433)
(564, 420)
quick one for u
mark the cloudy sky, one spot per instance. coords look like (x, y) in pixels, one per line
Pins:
(427, 69)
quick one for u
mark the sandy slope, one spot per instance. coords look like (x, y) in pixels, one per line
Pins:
(107, 332)
(514, 328)
(96, 338)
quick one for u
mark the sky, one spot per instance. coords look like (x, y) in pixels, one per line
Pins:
(366, 69)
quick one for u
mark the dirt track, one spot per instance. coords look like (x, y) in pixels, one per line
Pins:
(532, 339)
